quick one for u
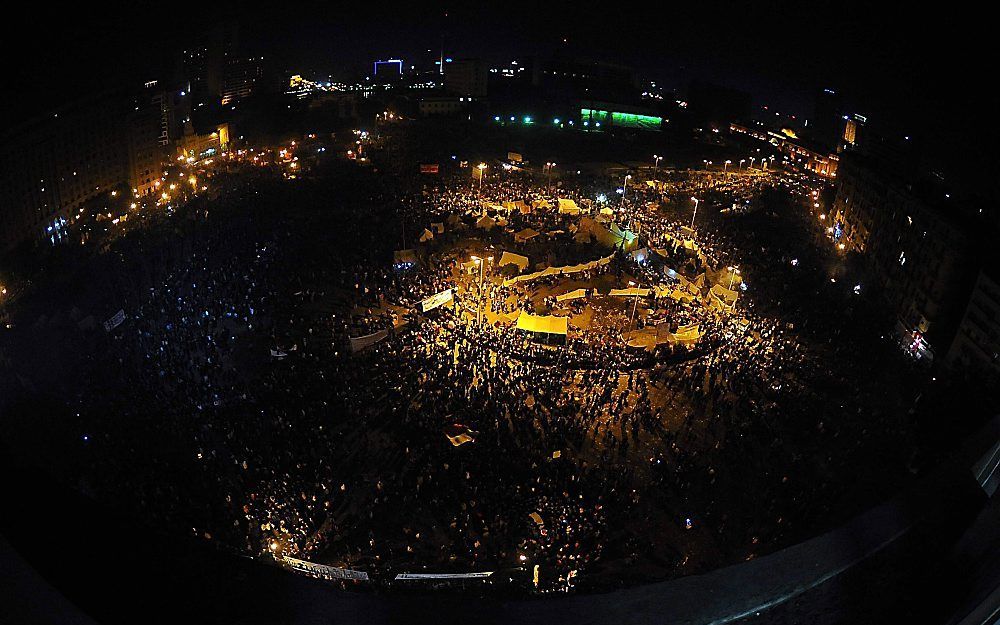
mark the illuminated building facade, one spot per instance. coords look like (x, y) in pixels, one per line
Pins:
(50, 168)
(241, 78)
(977, 341)
(149, 127)
(917, 251)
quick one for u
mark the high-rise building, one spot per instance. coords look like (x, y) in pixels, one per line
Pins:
(148, 128)
(466, 77)
(977, 341)
(51, 167)
(389, 70)
(242, 76)
(827, 124)
(917, 249)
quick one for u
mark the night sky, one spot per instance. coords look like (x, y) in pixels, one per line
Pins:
(914, 72)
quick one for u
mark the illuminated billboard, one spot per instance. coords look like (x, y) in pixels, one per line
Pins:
(595, 118)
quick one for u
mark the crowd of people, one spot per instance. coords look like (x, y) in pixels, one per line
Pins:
(231, 404)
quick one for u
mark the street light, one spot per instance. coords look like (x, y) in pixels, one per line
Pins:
(482, 269)
(625, 188)
(482, 172)
(548, 169)
(656, 164)
(635, 305)
(695, 213)
(725, 166)
(734, 271)
(742, 160)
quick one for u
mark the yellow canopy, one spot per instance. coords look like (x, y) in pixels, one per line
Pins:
(547, 324)
(568, 207)
(631, 292)
(510, 258)
(575, 294)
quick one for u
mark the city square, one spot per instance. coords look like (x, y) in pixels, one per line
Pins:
(496, 338)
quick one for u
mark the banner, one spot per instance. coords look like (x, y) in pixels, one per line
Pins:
(429, 168)
(115, 321)
(359, 343)
(437, 300)
(324, 571)
(514, 157)
(420, 576)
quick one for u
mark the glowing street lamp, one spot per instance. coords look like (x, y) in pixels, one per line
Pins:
(733, 271)
(548, 170)
(656, 164)
(725, 166)
(695, 213)
(482, 172)
(625, 188)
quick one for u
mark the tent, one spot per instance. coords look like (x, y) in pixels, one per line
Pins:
(555, 271)
(438, 227)
(542, 324)
(522, 207)
(540, 204)
(426, 235)
(486, 222)
(509, 258)
(724, 294)
(576, 294)
(689, 333)
(631, 292)
(609, 235)
(568, 207)
(607, 211)
(525, 235)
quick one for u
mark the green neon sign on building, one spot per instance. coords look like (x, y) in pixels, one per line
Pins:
(595, 118)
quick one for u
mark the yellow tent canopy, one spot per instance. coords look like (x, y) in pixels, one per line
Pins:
(510, 258)
(525, 235)
(545, 324)
(568, 207)
(575, 294)
(724, 294)
(630, 292)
